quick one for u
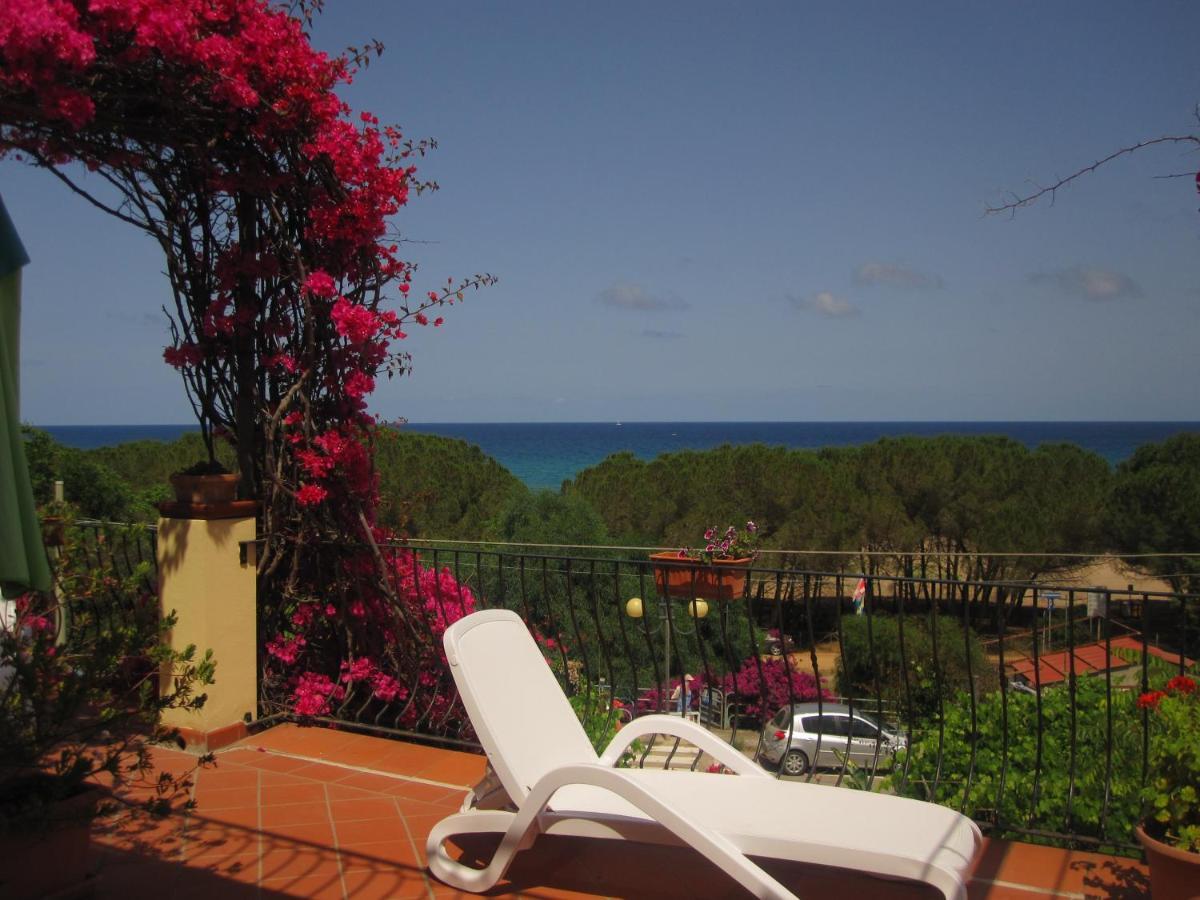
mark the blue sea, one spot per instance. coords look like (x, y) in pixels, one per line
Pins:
(544, 454)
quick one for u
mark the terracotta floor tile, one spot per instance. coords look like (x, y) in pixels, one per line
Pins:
(223, 778)
(225, 843)
(324, 773)
(280, 779)
(297, 862)
(426, 793)
(365, 884)
(396, 851)
(381, 824)
(212, 840)
(364, 808)
(339, 792)
(203, 886)
(122, 882)
(138, 828)
(451, 803)
(977, 891)
(380, 784)
(278, 794)
(294, 814)
(351, 834)
(241, 816)
(310, 833)
(364, 755)
(282, 765)
(226, 798)
(239, 867)
(459, 769)
(312, 887)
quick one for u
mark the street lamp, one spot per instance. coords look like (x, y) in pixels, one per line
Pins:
(697, 609)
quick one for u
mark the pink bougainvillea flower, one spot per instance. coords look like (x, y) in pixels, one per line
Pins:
(311, 495)
(187, 354)
(320, 284)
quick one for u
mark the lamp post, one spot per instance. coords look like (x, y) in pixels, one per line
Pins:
(697, 609)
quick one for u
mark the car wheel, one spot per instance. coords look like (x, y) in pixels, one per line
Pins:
(794, 763)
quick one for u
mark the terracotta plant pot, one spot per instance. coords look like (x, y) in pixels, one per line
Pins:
(52, 858)
(723, 579)
(1174, 873)
(205, 490)
(54, 531)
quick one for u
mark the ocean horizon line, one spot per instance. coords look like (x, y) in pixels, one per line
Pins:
(616, 421)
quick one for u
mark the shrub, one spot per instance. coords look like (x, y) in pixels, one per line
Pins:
(1173, 794)
(761, 687)
(873, 665)
(1012, 784)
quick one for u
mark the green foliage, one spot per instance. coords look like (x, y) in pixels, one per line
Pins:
(547, 518)
(1011, 784)
(79, 687)
(600, 718)
(904, 495)
(438, 487)
(1155, 506)
(1173, 794)
(872, 665)
(95, 488)
(147, 466)
(41, 457)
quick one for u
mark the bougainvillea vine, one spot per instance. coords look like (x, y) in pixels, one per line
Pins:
(215, 127)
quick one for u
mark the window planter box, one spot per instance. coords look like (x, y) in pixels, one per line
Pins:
(723, 579)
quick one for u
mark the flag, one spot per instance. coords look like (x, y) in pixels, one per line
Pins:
(860, 596)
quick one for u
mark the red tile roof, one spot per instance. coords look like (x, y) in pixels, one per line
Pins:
(1055, 667)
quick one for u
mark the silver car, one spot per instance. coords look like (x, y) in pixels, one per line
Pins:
(822, 735)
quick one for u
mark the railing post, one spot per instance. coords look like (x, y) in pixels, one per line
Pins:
(210, 585)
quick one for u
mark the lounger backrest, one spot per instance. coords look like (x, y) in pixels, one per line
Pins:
(518, 709)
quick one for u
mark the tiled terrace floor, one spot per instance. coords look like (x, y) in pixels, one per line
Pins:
(308, 812)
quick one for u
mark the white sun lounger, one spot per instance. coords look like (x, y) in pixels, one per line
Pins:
(558, 785)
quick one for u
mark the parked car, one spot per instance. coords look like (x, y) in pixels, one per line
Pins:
(776, 646)
(837, 732)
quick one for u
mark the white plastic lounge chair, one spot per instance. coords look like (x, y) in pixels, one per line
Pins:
(558, 785)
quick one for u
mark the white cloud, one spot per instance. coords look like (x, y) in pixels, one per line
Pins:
(624, 295)
(895, 275)
(1090, 283)
(661, 335)
(826, 304)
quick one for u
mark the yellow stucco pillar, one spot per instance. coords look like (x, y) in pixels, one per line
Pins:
(204, 578)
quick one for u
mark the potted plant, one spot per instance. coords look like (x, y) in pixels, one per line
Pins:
(715, 571)
(1170, 832)
(207, 483)
(55, 516)
(74, 724)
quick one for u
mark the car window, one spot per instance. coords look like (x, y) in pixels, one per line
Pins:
(860, 728)
(781, 718)
(809, 724)
(834, 725)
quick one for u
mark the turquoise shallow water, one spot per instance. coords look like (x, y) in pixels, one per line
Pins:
(544, 454)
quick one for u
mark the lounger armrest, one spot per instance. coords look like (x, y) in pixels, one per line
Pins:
(677, 726)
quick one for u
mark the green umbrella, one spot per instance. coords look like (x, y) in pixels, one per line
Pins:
(23, 562)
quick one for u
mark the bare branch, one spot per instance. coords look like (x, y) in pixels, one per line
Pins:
(1020, 201)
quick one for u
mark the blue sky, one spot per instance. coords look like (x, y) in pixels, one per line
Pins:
(722, 211)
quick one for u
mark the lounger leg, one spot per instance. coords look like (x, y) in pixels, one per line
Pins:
(456, 874)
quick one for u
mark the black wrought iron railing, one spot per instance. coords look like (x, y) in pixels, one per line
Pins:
(1013, 702)
(105, 576)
